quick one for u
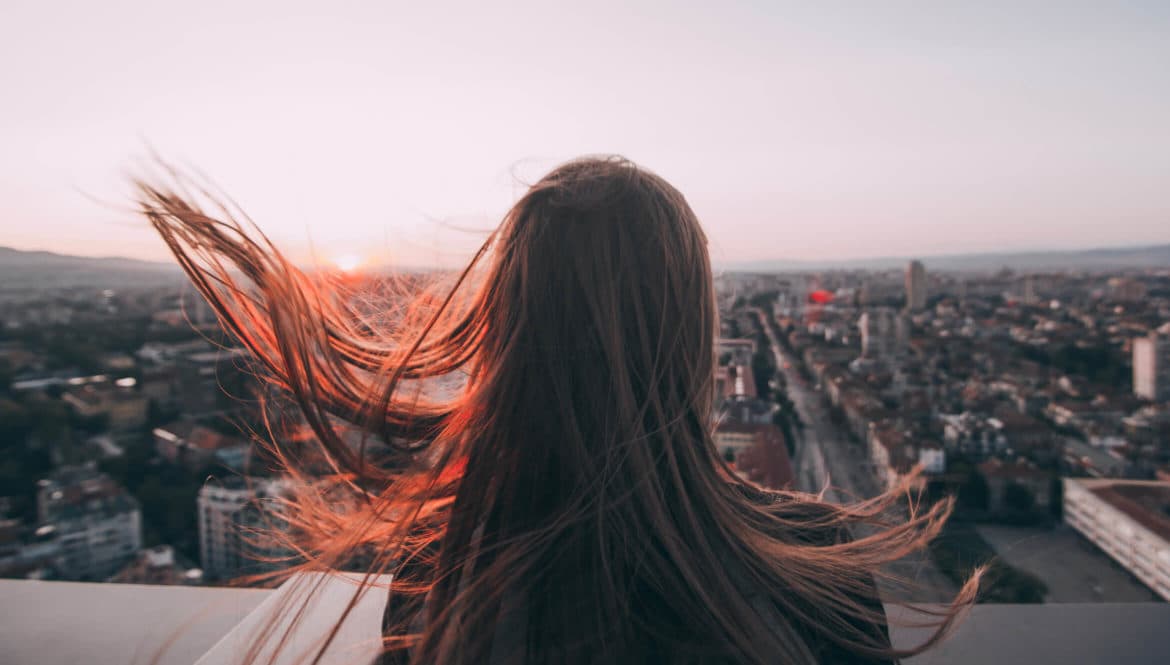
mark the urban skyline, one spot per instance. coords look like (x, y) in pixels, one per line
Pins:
(1037, 400)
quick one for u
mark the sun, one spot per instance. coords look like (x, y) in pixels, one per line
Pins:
(347, 262)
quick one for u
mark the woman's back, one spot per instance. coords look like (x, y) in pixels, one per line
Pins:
(570, 500)
(519, 617)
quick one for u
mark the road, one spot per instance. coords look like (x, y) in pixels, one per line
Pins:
(827, 460)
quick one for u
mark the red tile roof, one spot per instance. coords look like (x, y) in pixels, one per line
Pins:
(766, 461)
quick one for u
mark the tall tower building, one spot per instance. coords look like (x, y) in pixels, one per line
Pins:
(1029, 290)
(915, 286)
(1151, 367)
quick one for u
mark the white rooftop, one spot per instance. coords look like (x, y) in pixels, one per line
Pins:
(93, 624)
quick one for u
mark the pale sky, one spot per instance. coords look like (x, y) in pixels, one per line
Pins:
(805, 130)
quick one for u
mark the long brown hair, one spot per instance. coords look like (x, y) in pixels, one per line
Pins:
(571, 487)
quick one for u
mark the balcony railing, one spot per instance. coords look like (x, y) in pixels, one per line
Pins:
(63, 622)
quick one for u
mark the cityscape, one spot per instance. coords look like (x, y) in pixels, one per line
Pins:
(1040, 400)
(941, 264)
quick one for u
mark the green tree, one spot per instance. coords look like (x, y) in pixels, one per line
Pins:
(783, 419)
(974, 494)
(1018, 498)
(763, 370)
(6, 376)
(1056, 498)
(764, 300)
(15, 423)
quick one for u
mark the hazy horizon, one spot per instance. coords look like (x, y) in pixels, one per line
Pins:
(796, 132)
(815, 261)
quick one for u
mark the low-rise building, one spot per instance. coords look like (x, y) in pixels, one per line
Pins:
(95, 524)
(895, 451)
(1017, 486)
(733, 436)
(1129, 520)
(765, 459)
(196, 446)
(118, 401)
(157, 565)
(738, 351)
(735, 381)
(1080, 457)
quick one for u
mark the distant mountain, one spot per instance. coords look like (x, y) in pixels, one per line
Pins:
(1153, 256)
(21, 269)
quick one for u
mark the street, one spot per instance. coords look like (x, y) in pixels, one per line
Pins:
(826, 460)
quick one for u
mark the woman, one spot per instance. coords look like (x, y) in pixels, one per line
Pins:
(568, 505)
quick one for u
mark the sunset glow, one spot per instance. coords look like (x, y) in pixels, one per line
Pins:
(347, 262)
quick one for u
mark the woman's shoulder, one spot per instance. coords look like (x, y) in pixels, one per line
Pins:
(808, 520)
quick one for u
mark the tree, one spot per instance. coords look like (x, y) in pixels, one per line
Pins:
(6, 376)
(1018, 498)
(974, 494)
(783, 419)
(762, 370)
(1056, 497)
(15, 423)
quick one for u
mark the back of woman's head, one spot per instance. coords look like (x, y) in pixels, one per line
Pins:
(567, 504)
(593, 377)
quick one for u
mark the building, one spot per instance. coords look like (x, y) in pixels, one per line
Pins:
(157, 565)
(891, 453)
(735, 382)
(1082, 458)
(211, 380)
(1024, 435)
(1016, 486)
(1126, 289)
(93, 522)
(972, 435)
(883, 333)
(747, 411)
(27, 552)
(732, 436)
(895, 452)
(1028, 292)
(737, 351)
(915, 286)
(190, 444)
(1151, 367)
(234, 516)
(1129, 520)
(124, 408)
(765, 460)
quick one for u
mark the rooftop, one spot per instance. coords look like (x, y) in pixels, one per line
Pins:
(1147, 502)
(54, 622)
